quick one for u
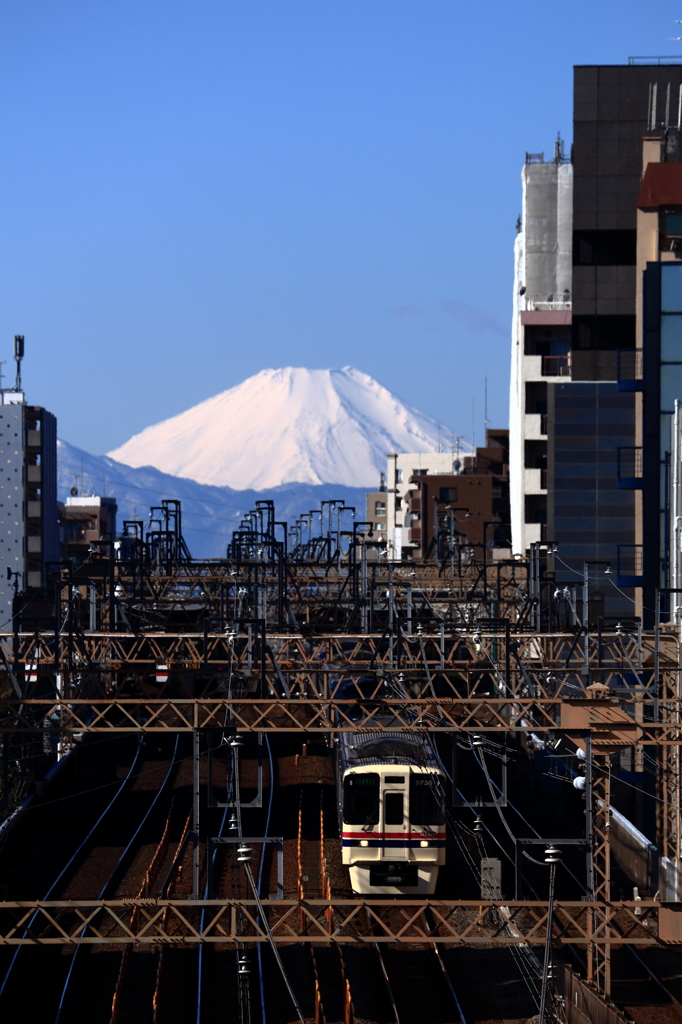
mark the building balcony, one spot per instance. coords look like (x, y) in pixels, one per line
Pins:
(556, 366)
(630, 369)
(630, 470)
(536, 426)
(535, 481)
(629, 572)
(545, 301)
(533, 533)
(546, 367)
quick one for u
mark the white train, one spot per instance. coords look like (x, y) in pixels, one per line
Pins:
(391, 812)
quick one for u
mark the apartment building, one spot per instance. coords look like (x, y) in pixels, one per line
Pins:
(597, 504)
(87, 519)
(467, 509)
(401, 470)
(29, 528)
(376, 512)
(541, 333)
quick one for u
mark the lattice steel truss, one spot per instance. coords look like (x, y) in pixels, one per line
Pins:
(312, 921)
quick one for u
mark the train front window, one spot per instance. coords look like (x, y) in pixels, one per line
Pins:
(361, 799)
(393, 809)
(425, 801)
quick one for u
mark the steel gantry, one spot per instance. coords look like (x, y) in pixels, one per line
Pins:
(322, 922)
(297, 632)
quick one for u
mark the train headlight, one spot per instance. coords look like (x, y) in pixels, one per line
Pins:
(364, 842)
(423, 843)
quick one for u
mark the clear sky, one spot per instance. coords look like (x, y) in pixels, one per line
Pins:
(191, 192)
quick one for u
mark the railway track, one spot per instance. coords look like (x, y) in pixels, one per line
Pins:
(26, 962)
(426, 985)
(81, 985)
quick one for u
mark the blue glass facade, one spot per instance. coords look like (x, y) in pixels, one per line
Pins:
(590, 518)
(662, 361)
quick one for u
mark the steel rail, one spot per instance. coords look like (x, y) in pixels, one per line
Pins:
(214, 855)
(167, 890)
(113, 879)
(381, 963)
(448, 982)
(438, 957)
(149, 878)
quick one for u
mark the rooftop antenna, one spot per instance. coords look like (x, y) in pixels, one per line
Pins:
(18, 355)
(2, 363)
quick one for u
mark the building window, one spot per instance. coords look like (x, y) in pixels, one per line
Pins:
(420, 472)
(671, 221)
(380, 526)
(380, 508)
(671, 288)
(605, 248)
(448, 494)
(76, 531)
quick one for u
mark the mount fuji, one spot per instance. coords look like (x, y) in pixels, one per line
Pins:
(285, 426)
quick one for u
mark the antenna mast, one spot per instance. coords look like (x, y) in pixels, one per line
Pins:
(18, 355)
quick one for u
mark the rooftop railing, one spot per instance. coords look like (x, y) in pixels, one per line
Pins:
(548, 301)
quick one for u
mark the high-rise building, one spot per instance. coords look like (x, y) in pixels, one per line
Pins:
(541, 334)
(29, 529)
(605, 496)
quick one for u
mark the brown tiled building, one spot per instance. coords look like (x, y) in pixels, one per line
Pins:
(468, 508)
(86, 519)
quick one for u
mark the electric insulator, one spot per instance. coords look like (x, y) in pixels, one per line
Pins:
(478, 823)
(552, 855)
(244, 853)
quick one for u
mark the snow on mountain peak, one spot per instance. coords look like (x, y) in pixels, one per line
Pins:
(287, 425)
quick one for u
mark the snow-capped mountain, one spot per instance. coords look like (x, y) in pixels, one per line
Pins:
(209, 514)
(284, 426)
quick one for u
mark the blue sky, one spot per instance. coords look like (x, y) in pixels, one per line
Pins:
(192, 192)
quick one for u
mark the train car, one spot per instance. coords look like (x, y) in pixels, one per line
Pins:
(391, 812)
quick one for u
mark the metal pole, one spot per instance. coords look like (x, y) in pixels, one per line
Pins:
(390, 614)
(586, 617)
(657, 657)
(588, 816)
(675, 506)
(92, 595)
(363, 592)
(196, 750)
(551, 856)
